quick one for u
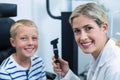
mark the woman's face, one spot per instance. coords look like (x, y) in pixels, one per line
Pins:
(88, 35)
(26, 41)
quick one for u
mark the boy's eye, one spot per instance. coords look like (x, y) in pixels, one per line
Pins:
(35, 38)
(23, 38)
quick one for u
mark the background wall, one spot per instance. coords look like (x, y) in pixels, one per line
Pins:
(50, 28)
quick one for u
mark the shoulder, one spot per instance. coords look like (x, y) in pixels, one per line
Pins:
(111, 56)
(6, 63)
(113, 66)
(4, 75)
(36, 60)
(112, 49)
(113, 70)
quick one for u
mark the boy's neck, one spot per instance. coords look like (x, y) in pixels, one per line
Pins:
(24, 62)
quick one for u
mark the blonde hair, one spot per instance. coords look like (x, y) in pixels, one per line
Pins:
(21, 23)
(91, 10)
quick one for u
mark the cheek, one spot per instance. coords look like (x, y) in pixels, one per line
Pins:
(94, 34)
(20, 45)
(77, 38)
(36, 44)
(97, 38)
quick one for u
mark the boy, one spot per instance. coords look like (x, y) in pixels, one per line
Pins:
(23, 65)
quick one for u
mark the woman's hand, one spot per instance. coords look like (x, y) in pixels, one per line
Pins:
(64, 66)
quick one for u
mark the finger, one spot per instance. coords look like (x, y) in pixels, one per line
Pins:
(53, 58)
(57, 70)
(55, 65)
(62, 61)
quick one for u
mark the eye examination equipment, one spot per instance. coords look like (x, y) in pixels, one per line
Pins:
(55, 50)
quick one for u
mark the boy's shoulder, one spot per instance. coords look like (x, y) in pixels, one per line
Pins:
(36, 58)
(37, 61)
(6, 63)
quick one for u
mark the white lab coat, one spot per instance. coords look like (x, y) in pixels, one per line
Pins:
(108, 67)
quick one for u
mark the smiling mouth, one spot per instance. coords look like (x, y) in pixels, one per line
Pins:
(29, 50)
(86, 45)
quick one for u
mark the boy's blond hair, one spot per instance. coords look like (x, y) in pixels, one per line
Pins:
(21, 23)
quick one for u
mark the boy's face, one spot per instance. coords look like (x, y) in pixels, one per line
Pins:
(26, 41)
(88, 35)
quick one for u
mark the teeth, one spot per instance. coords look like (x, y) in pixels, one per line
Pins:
(29, 50)
(85, 44)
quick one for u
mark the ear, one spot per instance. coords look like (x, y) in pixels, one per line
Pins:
(105, 27)
(12, 41)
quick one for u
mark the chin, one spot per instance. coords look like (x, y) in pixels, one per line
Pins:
(87, 51)
(29, 56)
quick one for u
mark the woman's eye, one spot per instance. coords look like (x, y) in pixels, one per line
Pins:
(76, 30)
(88, 28)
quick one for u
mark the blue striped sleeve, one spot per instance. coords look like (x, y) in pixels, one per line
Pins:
(38, 69)
(4, 75)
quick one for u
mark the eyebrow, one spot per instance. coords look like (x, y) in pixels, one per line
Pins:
(86, 26)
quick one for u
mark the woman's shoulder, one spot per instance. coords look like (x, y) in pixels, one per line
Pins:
(113, 46)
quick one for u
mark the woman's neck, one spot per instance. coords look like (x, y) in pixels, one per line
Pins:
(96, 54)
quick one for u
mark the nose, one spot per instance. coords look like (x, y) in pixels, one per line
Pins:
(30, 42)
(83, 35)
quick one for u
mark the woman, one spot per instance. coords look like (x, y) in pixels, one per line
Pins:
(90, 26)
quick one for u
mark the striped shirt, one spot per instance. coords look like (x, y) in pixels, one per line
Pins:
(10, 70)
